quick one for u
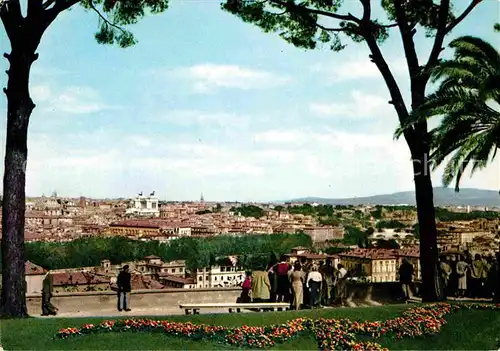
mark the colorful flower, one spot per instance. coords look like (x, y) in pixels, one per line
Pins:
(331, 334)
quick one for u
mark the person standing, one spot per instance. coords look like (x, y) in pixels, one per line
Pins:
(261, 285)
(282, 271)
(477, 271)
(297, 278)
(405, 278)
(246, 288)
(48, 309)
(314, 280)
(496, 284)
(445, 273)
(124, 288)
(342, 283)
(328, 282)
(462, 268)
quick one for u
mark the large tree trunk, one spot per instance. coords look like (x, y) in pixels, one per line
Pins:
(424, 194)
(20, 106)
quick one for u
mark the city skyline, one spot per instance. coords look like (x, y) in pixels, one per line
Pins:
(235, 114)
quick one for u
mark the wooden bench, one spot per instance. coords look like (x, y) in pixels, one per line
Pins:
(195, 307)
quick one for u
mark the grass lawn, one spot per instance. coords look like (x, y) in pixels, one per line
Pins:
(470, 330)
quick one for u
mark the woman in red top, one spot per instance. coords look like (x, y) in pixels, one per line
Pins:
(283, 288)
(246, 287)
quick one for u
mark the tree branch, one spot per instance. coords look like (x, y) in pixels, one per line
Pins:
(60, 6)
(460, 18)
(407, 38)
(48, 3)
(388, 25)
(414, 70)
(330, 29)
(444, 9)
(34, 7)
(367, 10)
(378, 59)
(11, 16)
(348, 17)
(104, 18)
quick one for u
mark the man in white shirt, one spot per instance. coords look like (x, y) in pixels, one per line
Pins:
(313, 282)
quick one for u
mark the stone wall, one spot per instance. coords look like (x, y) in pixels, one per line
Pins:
(164, 301)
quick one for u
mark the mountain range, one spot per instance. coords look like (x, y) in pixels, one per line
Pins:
(442, 197)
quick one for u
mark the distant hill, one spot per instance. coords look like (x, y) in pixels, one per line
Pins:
(442, 197)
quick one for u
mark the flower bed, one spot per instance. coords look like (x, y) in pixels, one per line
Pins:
(331, 334)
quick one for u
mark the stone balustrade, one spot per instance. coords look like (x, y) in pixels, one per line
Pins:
(153, 302)
(166, 301)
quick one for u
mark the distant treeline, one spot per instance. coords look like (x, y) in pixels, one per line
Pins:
(198, 252)
(445, 215)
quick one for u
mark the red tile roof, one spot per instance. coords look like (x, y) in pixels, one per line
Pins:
(142, 282)
(148, 223)
(175, 278)
(381, 254)
(77, 278)
(32, 269)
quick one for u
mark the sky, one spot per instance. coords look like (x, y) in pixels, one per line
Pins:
(205, 103)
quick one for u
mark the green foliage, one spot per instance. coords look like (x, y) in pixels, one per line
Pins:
(202, 212)
(390, 224)
(469, 131)
(334, 250)
(114, 15)
(387, 244)
(329, 221)
(423, 12)
(377, 213)
(249, 211)
(313, 23)
(291, 21)
(404, 209)
(354, 236)
(218, 208)
(198, 252)
(444, 215)
(309, 210)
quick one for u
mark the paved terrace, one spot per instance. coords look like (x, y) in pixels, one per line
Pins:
(142, 302)
(164, 302)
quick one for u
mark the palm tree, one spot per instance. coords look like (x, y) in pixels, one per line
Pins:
(468, 100)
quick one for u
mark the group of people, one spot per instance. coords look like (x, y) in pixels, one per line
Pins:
(472, 277)
(461, 276)
(303, 284)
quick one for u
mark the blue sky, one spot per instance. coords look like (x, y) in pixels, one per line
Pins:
(207, 103)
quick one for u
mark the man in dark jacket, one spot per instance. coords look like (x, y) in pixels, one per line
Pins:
(405, 278)
(47, 288)
(124, 288)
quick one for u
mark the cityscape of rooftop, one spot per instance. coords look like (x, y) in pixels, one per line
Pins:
(236, 114)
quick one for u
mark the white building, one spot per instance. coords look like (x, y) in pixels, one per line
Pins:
(220, 277)
(144, 206)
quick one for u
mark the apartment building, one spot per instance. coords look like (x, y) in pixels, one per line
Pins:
(380, 265)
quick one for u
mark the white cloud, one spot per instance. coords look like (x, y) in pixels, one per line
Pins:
(40, 93)
(361, 105)
(46, 71)
(281, 136)
(73, 99)
(270, 165)
(189, 118)
(356, 68)
(208, 77)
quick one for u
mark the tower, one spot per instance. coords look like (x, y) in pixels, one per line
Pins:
(201, 198)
